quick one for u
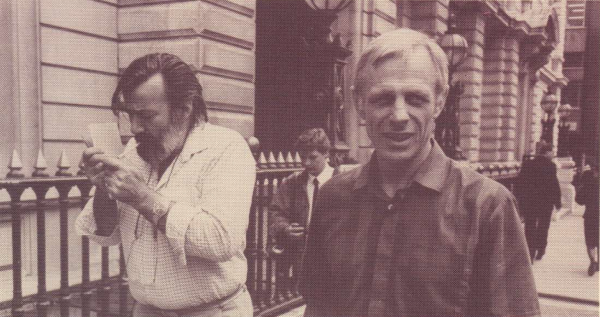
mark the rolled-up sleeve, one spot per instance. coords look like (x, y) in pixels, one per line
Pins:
(503, 277)
(85, 225)
(215, 229)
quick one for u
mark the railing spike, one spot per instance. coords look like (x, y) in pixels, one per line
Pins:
(15, 160)
(289, 161)
(280, 160)
(15, 165)
(40, 165)
(63, 164)
(297, 160)
(271, 160)
(262, 160)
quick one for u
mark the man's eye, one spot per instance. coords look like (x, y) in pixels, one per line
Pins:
(123, 115)
(381, 100)
(144, 115)
(416, 99)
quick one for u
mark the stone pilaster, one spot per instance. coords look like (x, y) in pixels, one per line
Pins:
(524, 112)
(539, 89)
(510, 97)
(429, 16)
(216, 37)
(471, 25)
(499, 99)
(492, 100)
(19, 83)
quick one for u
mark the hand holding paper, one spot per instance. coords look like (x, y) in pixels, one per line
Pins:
(104, 145)
(106, 137)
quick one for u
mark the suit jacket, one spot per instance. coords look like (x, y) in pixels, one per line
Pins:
(587, 194)
(537, 187)
(289, 205)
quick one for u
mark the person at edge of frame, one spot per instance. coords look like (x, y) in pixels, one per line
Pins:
(587, 192)
(292, 204)
(177, 199)
(538, 193)
(412, 232)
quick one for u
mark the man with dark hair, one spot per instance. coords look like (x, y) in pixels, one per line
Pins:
(292, 205)
(411, 232)
(177, 199)
(538, 193)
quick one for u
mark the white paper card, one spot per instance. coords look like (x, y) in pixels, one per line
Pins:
(106, 137)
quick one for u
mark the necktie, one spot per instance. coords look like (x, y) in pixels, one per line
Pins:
(314, 199)
(315, 192)
(308, 216)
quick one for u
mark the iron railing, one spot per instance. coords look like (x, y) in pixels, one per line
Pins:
(108, 295)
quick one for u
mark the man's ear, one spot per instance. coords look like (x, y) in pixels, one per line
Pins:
(188, 107)
(440, 101)
(358, 102)
(183, 112)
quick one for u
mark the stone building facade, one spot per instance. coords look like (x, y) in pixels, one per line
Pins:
(60, 61)
(64, 58)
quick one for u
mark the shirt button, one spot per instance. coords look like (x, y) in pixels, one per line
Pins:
(390, 206)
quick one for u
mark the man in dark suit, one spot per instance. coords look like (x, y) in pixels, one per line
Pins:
(538, 193)
(291, 207)
(587, 194)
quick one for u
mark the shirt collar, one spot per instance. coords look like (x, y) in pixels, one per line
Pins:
(324, 176)
(433, 171)
(200, 138)
(431, 174)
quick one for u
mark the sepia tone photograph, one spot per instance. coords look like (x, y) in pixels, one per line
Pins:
(287, 158)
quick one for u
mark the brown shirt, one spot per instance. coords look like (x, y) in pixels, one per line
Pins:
(456, 244)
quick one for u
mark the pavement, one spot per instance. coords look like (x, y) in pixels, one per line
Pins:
(561, 275)
(563, 269)
(550, 308)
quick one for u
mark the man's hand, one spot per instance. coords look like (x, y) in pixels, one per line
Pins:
(124, 183)
(294, 231)
(93, 168)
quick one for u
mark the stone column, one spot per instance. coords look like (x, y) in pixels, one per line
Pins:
(499, 99)
(20, 118)
(492, 100)
(539, 88)
(471, 25)
(509, 105)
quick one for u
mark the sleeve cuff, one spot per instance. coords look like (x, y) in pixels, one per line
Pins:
(178, 222)
(85, 225)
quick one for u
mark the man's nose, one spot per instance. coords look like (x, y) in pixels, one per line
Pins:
(399, 113)
(306, 162)
(136, 126)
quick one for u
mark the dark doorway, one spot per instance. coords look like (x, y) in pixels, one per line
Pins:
(281, 114)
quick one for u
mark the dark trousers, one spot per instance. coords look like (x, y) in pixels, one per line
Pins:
(288, 271)
(536, 231)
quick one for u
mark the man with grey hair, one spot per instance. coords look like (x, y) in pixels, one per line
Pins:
(411, 232)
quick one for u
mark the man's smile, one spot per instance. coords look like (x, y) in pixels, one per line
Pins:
(397, 136)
